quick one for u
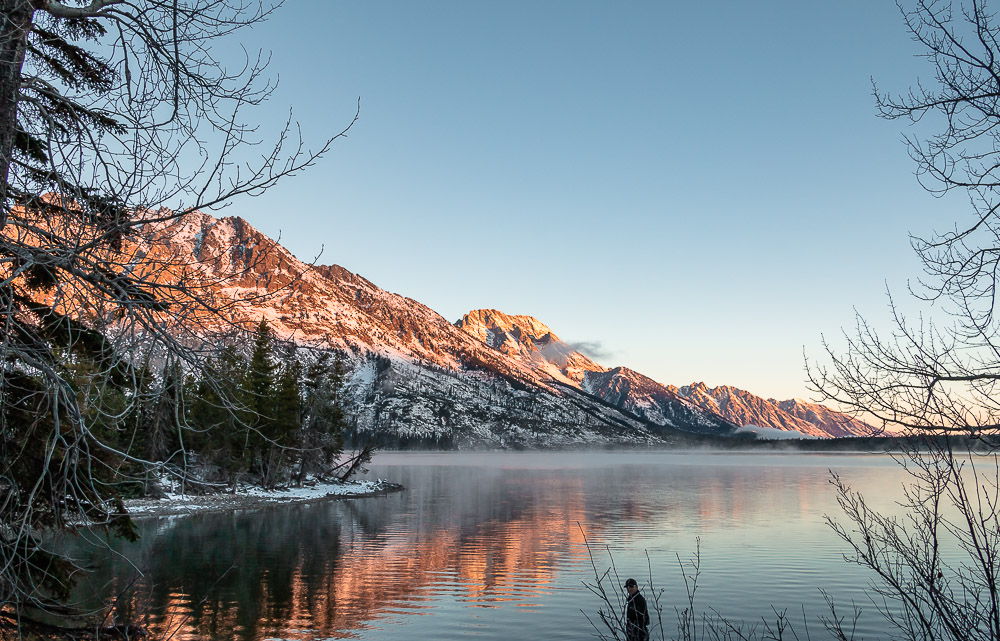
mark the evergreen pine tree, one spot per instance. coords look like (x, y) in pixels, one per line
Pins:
(163, 415)
(216, 417)
(286, 412)
(323, 416)
(259, 389)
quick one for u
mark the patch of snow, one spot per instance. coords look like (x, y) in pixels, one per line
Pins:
(199, 238)
(250, 497)
(318, 491)
(363, 376)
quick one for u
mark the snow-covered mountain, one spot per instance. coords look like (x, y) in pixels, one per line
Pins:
(528, 340)
(642, 395)
(830, 422)
(744, 408)
(487, 380)
(415, 376)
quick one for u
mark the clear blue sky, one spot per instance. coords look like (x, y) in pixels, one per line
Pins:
(700, 188)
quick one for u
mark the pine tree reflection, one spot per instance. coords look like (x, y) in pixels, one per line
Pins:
(328, 568)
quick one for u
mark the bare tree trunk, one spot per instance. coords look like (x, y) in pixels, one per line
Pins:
(356, 462)
(15, 22)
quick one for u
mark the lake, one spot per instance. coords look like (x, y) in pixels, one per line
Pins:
(495, 546)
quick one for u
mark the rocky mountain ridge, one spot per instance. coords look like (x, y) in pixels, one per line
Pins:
(525, 338)
(490, 379)
(744, 408)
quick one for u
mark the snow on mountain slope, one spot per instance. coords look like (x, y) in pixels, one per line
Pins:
(830, 422)
(410, 404)
(744, 408)
(642, 395)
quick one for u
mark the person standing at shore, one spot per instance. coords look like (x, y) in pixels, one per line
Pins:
(636, 613)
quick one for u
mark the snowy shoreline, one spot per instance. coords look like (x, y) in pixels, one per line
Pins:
(249, 498)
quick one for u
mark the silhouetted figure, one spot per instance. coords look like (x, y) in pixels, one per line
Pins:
(636, 613)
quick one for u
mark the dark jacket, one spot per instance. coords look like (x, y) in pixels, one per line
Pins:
(636, 617)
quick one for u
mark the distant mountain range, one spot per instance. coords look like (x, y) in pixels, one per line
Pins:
(487, 380)
(525, 338)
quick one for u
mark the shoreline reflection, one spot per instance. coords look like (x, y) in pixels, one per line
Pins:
(467, 546)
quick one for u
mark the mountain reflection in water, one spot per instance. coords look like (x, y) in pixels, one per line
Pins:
(489, 544)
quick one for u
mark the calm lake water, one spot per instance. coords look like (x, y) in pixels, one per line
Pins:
(491, 545)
